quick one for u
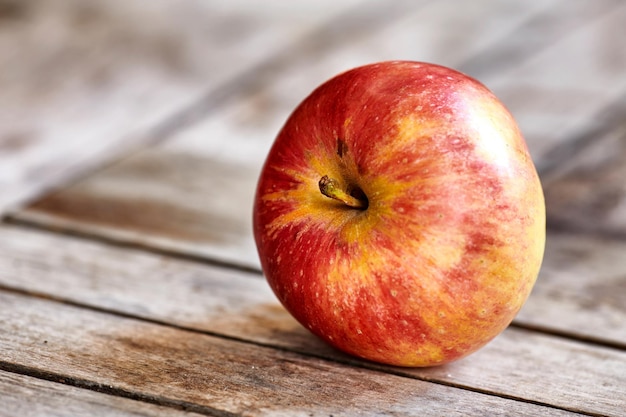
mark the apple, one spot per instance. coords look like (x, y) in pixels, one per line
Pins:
(399, 216)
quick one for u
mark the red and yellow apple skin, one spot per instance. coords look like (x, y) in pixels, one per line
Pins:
(451, 241)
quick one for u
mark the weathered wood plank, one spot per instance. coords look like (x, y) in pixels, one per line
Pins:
(194, 193)
(82, 81)
(240, 305)
(588, 192)
(182, 200)
(567, 88)
(25, 396)
(580, 290)
(563, 290)
(214, 375)
(165, 206)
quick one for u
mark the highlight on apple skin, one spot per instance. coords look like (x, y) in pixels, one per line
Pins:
(399, 216)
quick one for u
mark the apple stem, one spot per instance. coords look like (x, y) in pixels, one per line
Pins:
(330, 188)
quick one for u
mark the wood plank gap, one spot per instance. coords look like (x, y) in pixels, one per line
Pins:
(121, 314)
(400, 373)
(397, 371)
(354, 22)
(15, 220)
(348, 361)
(360, 20)
(607, 120)
(587, 340)
(250, 271)
(317, 40)
(500, 57)
(492, 393)
(559, 226)
(111, 390)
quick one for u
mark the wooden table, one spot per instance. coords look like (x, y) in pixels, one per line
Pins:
(131, 137)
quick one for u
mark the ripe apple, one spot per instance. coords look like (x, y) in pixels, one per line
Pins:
(399, 216)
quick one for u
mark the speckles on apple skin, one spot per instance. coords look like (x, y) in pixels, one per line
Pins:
(425, 274)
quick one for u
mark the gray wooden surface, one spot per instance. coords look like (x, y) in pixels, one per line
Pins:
(128, 286)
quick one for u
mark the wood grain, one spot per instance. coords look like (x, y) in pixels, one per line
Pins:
(581, 289)
(84, 82)
(588, 191)
(566, 89)
(239, 305)
(217, 376)
(25, 396)
(175, 318)
(193, 194)
(223, 232)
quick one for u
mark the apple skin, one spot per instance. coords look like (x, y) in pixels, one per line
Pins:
(452, 239)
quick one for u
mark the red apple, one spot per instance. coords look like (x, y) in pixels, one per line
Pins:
(399, 216)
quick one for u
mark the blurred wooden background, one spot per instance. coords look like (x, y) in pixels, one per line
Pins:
(130, 286)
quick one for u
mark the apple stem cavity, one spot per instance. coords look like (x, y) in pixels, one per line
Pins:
(331, 188)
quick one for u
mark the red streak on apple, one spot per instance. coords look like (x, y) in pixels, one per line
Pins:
(450, 238)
